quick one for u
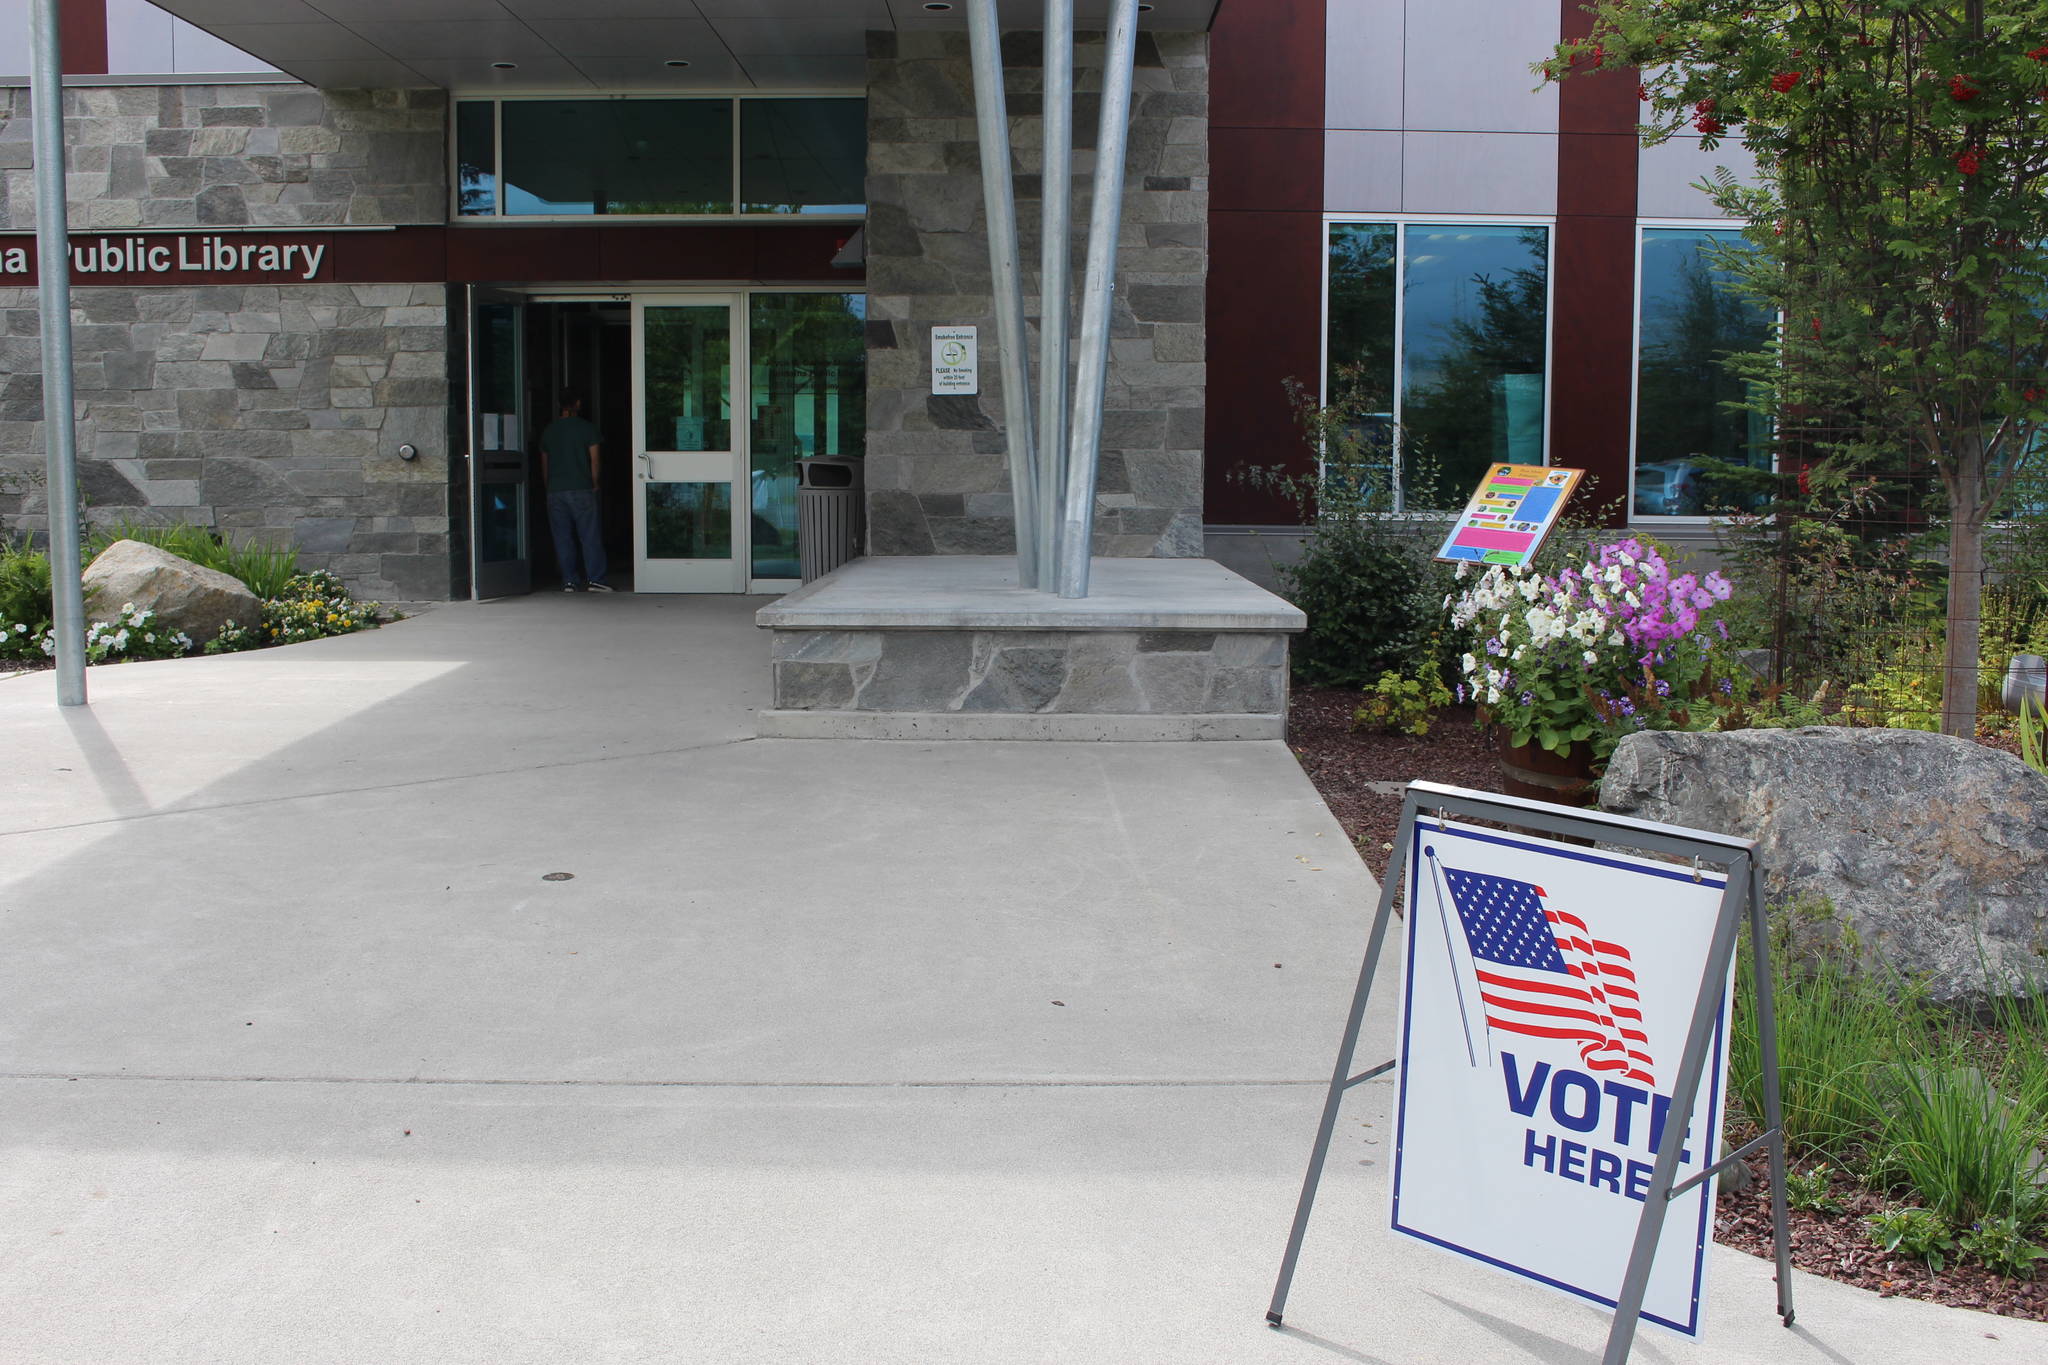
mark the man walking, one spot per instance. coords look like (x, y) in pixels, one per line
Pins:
(568, 466)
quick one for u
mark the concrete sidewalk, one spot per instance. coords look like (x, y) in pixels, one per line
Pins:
(828, 1051)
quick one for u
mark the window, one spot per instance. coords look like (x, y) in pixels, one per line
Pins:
(807, 397)
(1690, 443)
(692, 157)
(1438, 340)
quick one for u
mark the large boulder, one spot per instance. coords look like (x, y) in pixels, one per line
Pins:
(1917, 852)
(185, 596)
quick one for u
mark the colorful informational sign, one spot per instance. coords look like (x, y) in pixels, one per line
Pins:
(1549, 992)
(1515, 507)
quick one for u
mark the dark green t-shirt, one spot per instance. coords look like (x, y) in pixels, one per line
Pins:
(567, 442)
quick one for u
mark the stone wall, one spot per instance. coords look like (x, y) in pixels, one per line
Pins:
(273, 412)
(937, 472)
(1106, 672)
(219, 155)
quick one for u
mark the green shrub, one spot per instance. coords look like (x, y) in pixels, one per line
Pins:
(265, 570)
(1835, 1030)
(24, 589)
(1967, 1151)
(1810, 1190)
(1365, 579)
(2002, 1247)
(1401, 705)
(313, 604)
(1919, 1233)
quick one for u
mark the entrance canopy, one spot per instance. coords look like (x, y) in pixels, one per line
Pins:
(585, 45)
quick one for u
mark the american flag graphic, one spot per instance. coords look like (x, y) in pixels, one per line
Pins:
(1542, 973)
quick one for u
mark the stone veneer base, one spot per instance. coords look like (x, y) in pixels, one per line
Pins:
(963, 725)
(948, 647)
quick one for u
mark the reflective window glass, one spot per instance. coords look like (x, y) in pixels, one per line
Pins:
(1361, 376)
(1439, 332)
(1474, 334)
(1691, 446)
(476, 158)
(803, 156)
(688, 374)
(807, 398)
(617, 156)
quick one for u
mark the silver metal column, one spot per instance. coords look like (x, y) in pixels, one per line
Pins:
(992, 120)
(1055, 275)
(53, 266)
(1105, 225)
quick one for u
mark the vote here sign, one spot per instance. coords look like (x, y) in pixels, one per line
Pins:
(1549, 990)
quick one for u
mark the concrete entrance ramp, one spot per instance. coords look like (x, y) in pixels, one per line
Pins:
(827, 1051)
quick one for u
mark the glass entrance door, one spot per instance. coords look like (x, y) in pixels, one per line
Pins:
(689, 527)
(498, 466)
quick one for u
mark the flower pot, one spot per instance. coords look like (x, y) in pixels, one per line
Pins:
(1529, 770)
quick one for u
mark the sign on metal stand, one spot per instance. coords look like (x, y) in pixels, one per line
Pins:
(1563, 1054)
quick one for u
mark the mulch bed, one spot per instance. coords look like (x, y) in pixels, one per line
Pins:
(1360, 776)
(1837, 1245)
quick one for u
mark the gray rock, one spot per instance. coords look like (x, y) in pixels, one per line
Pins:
(1915, 852)
(185, 596)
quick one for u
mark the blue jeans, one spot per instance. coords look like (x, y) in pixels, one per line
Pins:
(572, 516)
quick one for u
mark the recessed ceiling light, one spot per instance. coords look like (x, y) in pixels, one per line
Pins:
(504, 66)
(1144, 9)
(678, 64)
(939, 6)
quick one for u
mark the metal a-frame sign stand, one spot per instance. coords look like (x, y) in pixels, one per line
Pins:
(1743, 892)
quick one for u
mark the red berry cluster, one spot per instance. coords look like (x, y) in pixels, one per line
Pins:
(1704, 120)
(1959, 88)
(1969, 162)
(2032, 395)
(1784, 81)
(2039, 54)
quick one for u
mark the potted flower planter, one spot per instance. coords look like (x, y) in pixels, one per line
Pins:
(1529, 770)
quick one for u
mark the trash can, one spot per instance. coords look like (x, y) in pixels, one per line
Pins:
(830, 518)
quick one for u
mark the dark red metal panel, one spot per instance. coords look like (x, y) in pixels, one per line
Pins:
(1593, 291)
(1261, 170)
(407, 255)
(1266, 64)
(1265, 301)
(82, 30)
(1265, 328)
(1592, 349)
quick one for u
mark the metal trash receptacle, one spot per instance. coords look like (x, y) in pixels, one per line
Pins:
(830, 516)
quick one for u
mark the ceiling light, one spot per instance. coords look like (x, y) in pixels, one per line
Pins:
(1144, 9)
(939, 6)
(678, 64)
(504, 66)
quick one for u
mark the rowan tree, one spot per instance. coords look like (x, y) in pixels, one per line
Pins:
(1897, 221)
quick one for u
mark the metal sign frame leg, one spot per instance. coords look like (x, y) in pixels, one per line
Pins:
(1742, 900)
(1340, 1079)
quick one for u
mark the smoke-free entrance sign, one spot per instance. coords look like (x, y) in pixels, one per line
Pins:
(956, 360)
(1549, 992)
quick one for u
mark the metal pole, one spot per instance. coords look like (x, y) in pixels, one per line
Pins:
(992, 120)
(1761, 981)
(1055, 276)
(1692, 1066)
(53, 266)
(1341, 1079)
(1084, 445)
